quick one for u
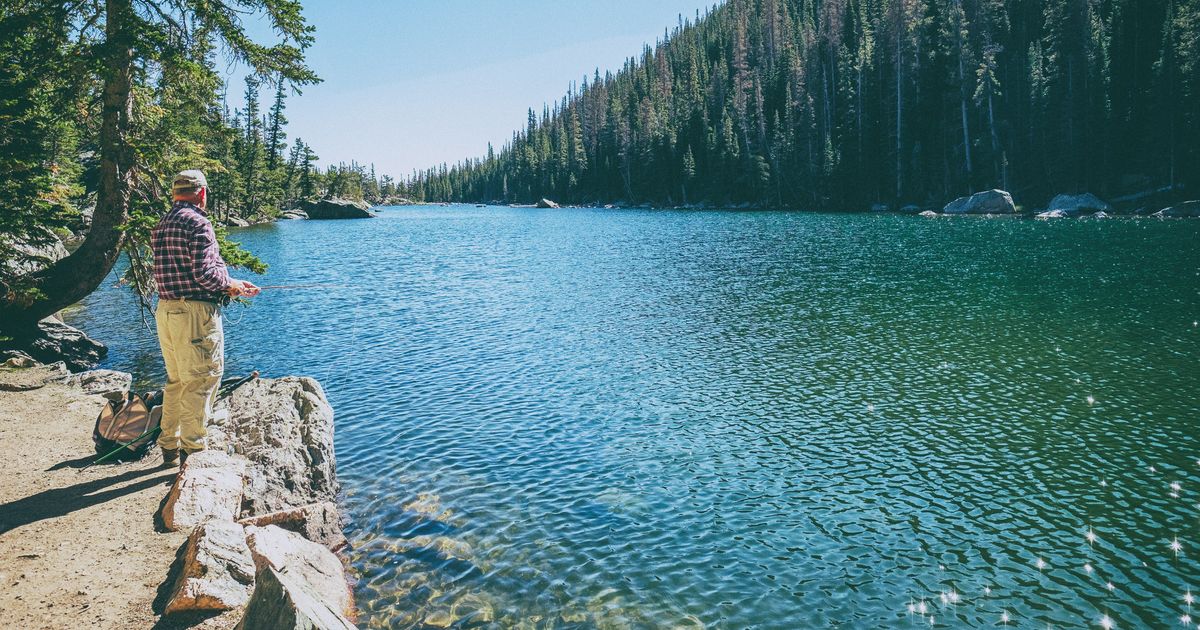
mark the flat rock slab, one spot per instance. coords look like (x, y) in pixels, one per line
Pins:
(319, 522)
(284, 428)
(218, 570)
(209, 487)
(103, 382)
(308, 562)
(282, 602)
(22, 379)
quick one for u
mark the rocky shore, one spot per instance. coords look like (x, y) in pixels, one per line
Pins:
(245, 535)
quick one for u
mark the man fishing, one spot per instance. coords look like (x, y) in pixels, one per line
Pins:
(192, 283)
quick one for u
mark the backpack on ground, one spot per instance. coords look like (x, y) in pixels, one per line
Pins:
(128, 425)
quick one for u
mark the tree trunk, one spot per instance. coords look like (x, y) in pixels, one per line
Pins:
(74, 277)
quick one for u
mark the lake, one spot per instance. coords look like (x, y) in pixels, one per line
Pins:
(587, 418)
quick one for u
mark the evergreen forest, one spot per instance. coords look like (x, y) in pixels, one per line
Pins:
(849, 104)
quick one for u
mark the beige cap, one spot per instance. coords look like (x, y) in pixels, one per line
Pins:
(188, 181)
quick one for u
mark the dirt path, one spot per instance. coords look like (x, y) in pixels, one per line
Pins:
(78, 548)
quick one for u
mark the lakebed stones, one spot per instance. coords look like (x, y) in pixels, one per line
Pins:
(209, 486)
(319, 522)
(218, 570)
(306, 561)
(284, 429)
(282, 602)
(987, 202)
(336, 208)
(1075, 205)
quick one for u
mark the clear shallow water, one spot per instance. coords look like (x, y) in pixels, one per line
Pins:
(604, 419)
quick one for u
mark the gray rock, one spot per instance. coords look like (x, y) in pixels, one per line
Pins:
(51, 340)
(928, 213)
(284, 428)
(282, 602)
(218, 570)
(1075, 205)
(237, 222)
(17, 359)
(546, 203)
(26, 255)
(910, 209)
(20, 379)
(104, 382)
(880, 207)
(1187, 209)
(308, 562)
(293, 214)
(1051, 214)
(987, 202)
(319, 522)
(336, 209)
(1100, 215)
(209, 486)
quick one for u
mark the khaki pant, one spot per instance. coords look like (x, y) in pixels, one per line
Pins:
(193, 347)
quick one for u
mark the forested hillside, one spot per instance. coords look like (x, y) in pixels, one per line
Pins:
(842, 104)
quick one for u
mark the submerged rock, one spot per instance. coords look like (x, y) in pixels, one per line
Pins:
(1051, 214)
(336, 208)
(281, 602)
(218, 570)
(987, 202)
(284, 429)
(546, 203)
(208, 487)
(928, 213)
(1075, 205)
(308, 562)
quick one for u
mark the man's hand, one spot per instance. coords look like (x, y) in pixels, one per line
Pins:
(243, 288)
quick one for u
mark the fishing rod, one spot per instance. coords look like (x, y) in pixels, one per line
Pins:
(301, 286)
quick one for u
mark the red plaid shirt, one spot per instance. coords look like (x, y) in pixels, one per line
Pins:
(187, 261)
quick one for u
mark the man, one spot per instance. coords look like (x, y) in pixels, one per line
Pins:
(192, 284)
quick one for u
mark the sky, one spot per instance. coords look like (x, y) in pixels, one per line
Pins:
(414, 83)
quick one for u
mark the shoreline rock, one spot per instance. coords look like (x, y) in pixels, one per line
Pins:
(50, 340)
(993, 201)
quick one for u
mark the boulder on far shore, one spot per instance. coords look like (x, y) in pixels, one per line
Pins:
(928, 213)
(546, 203)
(1075, 205)
(880, 207)
(1051, 214)
(1187, 209)
(993, 201)
(51, 340)
(336, 208)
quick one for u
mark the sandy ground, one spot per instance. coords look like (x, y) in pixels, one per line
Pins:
(79, 548)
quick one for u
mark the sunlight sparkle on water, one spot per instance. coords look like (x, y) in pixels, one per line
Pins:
(1188, 599)
(1107, 623)
(1176, 546)
(1091, 536)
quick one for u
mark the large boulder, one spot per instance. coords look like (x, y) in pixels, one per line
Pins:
(107, 383)
(294, 213)
(51, 340)
(310, 563)
(319, 522)
(1187, 209)
(335, 208)
(284, 428)
(1075, 205)
(282, 602)
(546, 203)
(208, 487)
(987, 202)
(218, 570)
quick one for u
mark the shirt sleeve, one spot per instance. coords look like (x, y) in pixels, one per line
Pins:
(208, 267)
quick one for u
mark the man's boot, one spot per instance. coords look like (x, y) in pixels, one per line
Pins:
(170, 455)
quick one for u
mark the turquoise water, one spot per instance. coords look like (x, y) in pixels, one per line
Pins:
(602, 419)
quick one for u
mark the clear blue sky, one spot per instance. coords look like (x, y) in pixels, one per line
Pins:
(410, 84)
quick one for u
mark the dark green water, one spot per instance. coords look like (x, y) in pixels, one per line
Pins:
(605, 419)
